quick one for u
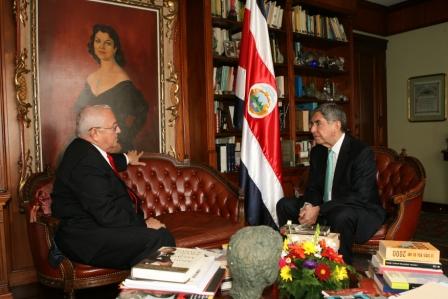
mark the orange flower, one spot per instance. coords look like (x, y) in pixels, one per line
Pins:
(296, 251)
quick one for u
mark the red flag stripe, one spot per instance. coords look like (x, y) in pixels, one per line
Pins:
(260, 147)
(266, 129)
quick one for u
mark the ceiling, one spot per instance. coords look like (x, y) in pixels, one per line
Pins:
(387, 2)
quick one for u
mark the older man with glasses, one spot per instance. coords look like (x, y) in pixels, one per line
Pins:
(101, 222)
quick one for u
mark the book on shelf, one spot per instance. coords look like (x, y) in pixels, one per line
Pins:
(410, 280)
(380, 268)
(307, 106)
(173, 264)
(298, 84)
(408, 263)
(288, 155)
(226, 157)
(205, 282)
(303, 120)
(409, 250)
(280, 80)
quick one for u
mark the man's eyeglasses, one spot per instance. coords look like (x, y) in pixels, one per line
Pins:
(114, 128)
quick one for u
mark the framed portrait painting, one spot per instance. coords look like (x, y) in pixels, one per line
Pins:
(88, 52)
(427, 98)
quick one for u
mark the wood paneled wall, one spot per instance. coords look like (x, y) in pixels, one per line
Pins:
(409, 15)
(19, 266)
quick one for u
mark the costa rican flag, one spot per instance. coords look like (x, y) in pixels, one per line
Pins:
(261, 164)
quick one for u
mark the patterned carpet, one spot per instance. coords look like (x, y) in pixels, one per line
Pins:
(433, 227)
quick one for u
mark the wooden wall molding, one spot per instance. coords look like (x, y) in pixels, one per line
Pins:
(402, 17)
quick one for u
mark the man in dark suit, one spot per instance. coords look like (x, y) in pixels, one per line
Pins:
(100, 224)
(343, 195)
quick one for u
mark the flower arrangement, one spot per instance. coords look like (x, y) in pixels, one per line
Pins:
(310, 266)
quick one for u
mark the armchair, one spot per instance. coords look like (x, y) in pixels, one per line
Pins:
(68, 275)
(401, 181)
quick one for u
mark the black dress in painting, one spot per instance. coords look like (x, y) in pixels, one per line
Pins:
(128, 105)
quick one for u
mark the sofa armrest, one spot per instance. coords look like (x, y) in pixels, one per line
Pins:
(408, 207)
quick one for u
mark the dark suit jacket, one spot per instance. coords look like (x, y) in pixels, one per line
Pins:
(97, 215)
(354, 185)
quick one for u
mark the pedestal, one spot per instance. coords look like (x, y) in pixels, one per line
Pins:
(4, 288)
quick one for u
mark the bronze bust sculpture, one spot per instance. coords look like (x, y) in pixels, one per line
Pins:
(253, 257)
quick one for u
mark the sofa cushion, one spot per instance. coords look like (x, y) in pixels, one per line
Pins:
(198, 229)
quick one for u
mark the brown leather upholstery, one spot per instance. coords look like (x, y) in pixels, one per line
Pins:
(197, 205)
(401, 181)
(41, 227)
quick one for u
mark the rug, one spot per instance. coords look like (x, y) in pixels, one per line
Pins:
(433, 227)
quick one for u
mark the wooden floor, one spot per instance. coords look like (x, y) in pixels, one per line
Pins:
(37, 291)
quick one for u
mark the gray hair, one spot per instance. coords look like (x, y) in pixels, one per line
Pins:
(332, 112)
(88, 118)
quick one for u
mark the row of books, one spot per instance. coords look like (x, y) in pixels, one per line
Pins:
(223, 79)
(228, 157)
(283, 108)
(399, 266)
(317, 25)
(295, 153)
(274, 14)
(219, 36)
(280, 80)
(277, 56)
(224, 114)
(303, 114)
(177, 270)
(232, 9)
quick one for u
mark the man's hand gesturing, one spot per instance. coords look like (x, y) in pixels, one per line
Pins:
(134, 157)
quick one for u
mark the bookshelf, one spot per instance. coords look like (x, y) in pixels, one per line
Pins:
(321, 56)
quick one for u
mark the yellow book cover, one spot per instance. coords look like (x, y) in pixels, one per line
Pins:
(409, 251)
(396, 280)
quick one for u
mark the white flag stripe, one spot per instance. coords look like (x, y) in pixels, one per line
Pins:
(261, 37)
(261, 172)
(240, 86)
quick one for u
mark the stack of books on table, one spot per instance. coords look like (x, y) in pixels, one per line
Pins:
(402, 265)
(177, 270)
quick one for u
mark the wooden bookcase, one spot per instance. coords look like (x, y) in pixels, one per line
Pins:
(201, 62)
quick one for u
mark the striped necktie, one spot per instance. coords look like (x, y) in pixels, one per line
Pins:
(131, 193)
(329, 175)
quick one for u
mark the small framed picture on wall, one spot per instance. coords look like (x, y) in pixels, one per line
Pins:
(427, 98)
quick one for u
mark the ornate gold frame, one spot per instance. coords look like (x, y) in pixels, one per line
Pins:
(27, 93)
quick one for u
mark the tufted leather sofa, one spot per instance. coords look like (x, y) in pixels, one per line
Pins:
(401, 181)
(197, 205)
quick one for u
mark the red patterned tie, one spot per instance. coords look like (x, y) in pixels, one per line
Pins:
(131, 193)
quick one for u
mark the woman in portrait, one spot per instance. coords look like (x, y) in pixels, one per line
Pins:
(111, 85)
